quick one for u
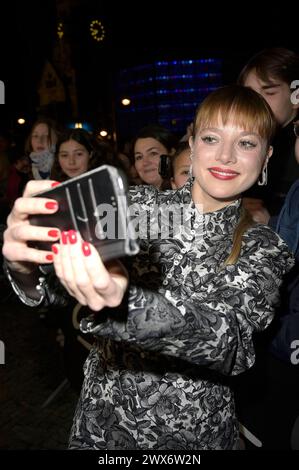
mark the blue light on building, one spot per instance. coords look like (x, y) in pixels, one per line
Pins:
(167, 92)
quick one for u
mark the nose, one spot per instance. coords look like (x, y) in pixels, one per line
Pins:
(72, 159)
(226, 154)
(147, 160)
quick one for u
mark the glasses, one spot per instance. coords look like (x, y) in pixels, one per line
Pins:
(296, 128)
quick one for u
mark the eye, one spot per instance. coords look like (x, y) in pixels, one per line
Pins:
(209, 139)
(247, 144)
(138, 157)
(153, 153)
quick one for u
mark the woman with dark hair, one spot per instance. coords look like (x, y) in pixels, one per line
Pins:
(148, 146)
(77, 151)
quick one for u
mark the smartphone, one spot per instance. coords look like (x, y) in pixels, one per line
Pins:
(95, 204)
(165, 166)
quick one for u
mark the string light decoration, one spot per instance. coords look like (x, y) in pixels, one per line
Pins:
(60, 31)
(97, 30)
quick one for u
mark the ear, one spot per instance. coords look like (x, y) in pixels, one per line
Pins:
(269, 153)
(172, 151)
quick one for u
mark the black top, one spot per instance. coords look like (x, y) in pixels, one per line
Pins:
(283, 171)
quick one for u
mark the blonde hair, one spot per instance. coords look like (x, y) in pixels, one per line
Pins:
(248, 110)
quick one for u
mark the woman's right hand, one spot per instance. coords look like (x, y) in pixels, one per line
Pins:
(22, 258)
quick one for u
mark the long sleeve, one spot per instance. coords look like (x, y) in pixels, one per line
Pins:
(214, 326)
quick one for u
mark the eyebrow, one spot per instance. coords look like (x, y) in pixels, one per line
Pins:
(147, 150)
(73, 150)
(274, 85)
(242, 133)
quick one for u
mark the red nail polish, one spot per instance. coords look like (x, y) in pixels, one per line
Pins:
(64, 236)
(53, 233)
(56, 183)
(51, 205)
(72, 236)
(86, 249)
(49, 257)
(55, 249)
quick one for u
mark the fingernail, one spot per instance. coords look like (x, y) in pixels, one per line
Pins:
(86, 249)
(72, 236)
(55, 249)
(53, 233)
(51, 205)
(56, 183)
(64, 237)
(49, 257)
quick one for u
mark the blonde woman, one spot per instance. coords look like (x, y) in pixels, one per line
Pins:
(199, 288)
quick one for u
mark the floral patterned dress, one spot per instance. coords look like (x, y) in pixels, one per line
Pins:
(157, 377)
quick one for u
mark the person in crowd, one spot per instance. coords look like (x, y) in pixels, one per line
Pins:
(274, 73)
(148, 146)
(181, 164)
(40, 147)
(267, 395)
(129, 168)
(169, 337)
(77, 151)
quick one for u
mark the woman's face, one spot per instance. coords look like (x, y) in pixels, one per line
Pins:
(147, 152)
(40, 138)
(226, 161)
(73, 158)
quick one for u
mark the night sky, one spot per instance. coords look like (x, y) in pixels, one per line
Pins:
(190, 31)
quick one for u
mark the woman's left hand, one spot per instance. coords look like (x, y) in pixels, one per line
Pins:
(80, 269)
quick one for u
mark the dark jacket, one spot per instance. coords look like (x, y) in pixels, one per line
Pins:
(287, 227)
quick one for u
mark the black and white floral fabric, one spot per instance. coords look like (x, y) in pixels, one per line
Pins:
(157, 376)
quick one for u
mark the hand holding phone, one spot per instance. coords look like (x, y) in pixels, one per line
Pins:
(94, 204)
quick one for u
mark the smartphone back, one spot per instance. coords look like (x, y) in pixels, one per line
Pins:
(94, 204)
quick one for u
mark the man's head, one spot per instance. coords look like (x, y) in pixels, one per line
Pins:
(271, 73)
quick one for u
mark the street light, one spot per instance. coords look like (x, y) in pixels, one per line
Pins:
(103, 133)
(125, 101)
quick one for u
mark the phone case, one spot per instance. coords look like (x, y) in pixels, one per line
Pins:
(94, 204)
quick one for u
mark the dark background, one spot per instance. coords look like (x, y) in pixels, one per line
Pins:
(136, 33)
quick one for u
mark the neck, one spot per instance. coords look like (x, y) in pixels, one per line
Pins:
(209, 204)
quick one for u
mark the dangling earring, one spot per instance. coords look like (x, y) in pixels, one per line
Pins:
(264, 180)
